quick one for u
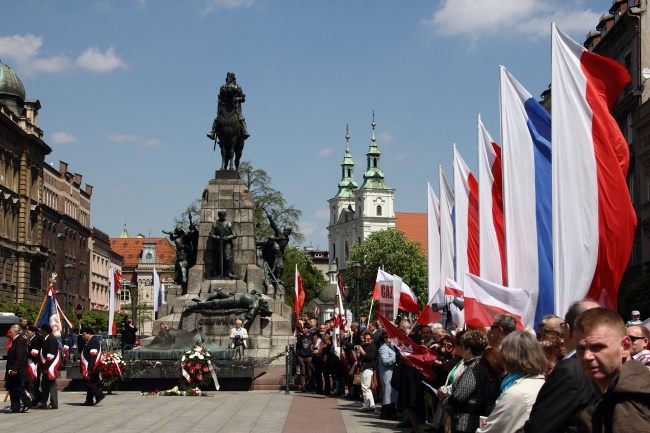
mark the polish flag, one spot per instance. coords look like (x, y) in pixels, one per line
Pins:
(299, 297)
(526, 138)
(114, 284)
(412, 354)
(466, 213)
(340, 324)
(593, 216)
(428, 316)
(447, 250)
(407, 299)
(433, 241)
(453, 290)
(484, 299)
(490, 192)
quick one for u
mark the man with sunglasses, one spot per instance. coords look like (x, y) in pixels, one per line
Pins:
(639, 335)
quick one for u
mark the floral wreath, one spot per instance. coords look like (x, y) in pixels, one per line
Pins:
(112, 367)
(196, 367)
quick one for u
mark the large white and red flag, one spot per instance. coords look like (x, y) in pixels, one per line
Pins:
(593, 216)
(401, 292)
(447, 250)
(299, 295)
(340, 323)
(492, 253)
(526, 140)
(466, 218)
(433, 245)
(485, 299)
(114, 284)
(412, 354)
(453, 290)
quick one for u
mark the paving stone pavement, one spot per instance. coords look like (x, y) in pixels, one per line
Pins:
(225, 412)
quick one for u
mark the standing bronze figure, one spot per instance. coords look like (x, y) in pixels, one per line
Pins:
(222, 235)
(229, 127)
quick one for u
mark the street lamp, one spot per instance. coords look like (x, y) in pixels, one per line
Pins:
(357, 269)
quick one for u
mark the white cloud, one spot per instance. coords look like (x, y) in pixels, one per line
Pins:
(385, 137)
(475, 19)
(63, 138)
(211, 5)
(322, 213)
(326, 151)
(95, 61)
(401, 156)
(122, 138)
(24, 50)
(153, 142)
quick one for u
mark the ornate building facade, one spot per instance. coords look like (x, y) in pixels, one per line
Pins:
(22, 158)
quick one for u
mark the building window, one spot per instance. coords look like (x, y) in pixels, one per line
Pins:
(125, 295)
(378, 210)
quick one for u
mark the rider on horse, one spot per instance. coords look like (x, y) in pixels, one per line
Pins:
(231, 86)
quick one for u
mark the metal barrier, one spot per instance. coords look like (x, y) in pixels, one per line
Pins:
(290, 365)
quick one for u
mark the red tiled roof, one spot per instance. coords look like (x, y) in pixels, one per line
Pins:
(414, 226)
(131, 249)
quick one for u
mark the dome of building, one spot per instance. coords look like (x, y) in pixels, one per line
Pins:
(328, 294)
(12, 91)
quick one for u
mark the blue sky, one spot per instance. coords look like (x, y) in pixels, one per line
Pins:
(129, 88)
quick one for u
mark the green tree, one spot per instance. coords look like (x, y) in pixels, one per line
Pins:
(313, 280)
(269, 201)
(193, 210)
(391, 250)
(22, 309)
(97, 320)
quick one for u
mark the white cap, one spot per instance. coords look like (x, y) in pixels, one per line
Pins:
(636, 313)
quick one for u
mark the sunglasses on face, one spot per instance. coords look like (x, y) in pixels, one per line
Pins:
(633, 338)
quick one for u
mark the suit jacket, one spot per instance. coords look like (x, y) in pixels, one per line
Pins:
(91, 357)
(232, 337)
(34, 346)
(50, 357)
(566, 392)
(17, 358)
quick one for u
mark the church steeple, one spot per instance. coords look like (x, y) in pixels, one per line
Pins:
(373, 177)
(347, 184)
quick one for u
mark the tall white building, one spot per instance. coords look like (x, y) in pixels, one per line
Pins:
(356, 212)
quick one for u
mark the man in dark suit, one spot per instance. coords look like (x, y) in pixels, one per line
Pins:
(50, 362)
(91, 360)
(17, 375)
(34, 345)
(567, 391)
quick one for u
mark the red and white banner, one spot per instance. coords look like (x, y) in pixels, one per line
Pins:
(114, 284)
(466, 218)
(388, 302)
(492, 253)
(484, 299)
(299, 296)
(401, 292)
(593, 216)
(412, 354)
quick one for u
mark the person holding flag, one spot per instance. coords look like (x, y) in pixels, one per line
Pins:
(91, 361)
(50, 361)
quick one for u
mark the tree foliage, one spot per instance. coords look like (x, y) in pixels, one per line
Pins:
(269, 201)
(193, 209)
(312, 278)
(22, 309)
(391, 250)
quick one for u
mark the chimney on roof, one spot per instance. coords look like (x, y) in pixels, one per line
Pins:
(77, 179)
(63, 167)
(89, 190)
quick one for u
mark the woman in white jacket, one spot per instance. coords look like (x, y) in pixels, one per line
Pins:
(238, 337)
(525, 363)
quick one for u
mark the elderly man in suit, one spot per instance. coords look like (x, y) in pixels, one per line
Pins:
(16, 376)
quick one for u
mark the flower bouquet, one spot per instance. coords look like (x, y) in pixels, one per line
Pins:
(112, 368)
(195, 368)
(175, 391)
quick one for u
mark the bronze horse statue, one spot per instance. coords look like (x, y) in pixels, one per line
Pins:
(229, 129)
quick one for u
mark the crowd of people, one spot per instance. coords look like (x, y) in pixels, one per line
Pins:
(34, 356)
(586, 372)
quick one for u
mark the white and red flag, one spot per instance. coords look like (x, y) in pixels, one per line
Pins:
(114, 284)
(433, 245)
(447, 250)
(485, 299)
(340, 323)
(412, 354)
(593, 216)
(466, 218)
(299, 298)
(492, 253)
(407, 300)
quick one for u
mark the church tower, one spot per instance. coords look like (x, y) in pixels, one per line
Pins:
(356, 212)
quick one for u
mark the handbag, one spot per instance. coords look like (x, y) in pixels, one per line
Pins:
(356, 380)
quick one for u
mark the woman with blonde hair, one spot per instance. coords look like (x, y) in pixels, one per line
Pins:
(525, 365)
